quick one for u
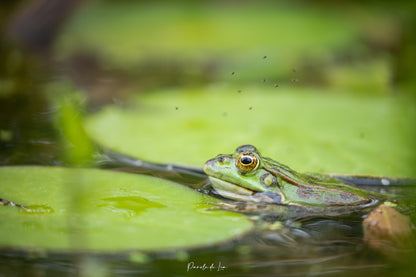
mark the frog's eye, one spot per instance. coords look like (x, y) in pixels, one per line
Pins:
(247, 162)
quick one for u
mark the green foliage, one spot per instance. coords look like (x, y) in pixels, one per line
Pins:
(68, 103)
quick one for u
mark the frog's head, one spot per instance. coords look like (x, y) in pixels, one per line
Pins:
(246, 175)
(242, 176)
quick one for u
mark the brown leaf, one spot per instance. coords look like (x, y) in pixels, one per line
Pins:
(388, 231)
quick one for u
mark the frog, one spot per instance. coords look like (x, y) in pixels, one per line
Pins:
(252, 183)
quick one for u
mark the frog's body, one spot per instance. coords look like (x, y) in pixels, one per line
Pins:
(262, 182)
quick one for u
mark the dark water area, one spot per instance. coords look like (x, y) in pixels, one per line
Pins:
(319, 248)
(26, 122)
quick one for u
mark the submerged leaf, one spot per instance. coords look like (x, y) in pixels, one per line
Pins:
(388, 231)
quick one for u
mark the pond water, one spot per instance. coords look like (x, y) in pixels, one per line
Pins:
(30, 134)
(336, 251)
(317, 247)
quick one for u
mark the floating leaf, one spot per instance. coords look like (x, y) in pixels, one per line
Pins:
(96, 210)
(207, 38)
(307, 129)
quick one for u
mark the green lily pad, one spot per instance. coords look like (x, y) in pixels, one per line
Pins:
(96, 210)
(308, 129)
(226, 37)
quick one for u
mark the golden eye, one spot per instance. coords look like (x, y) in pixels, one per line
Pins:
(247, 162)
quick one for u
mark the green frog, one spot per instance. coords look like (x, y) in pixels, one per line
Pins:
(262, 184)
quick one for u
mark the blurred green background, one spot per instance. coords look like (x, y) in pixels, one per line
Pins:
(323, 86)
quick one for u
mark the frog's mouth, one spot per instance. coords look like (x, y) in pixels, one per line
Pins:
(232, 191)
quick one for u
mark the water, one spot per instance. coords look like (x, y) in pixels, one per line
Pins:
(318, 247)
(338, 251)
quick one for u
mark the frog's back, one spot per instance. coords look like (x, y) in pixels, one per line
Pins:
(316, 189)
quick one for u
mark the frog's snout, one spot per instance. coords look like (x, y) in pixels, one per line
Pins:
(218, 164)
(208, 164)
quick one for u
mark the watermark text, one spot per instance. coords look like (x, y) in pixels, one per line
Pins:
(206, 266)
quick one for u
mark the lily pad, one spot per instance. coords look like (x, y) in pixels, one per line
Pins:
(96, 210)
(223, 38)
(308, 129)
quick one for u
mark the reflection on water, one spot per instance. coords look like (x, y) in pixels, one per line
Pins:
(320, 247)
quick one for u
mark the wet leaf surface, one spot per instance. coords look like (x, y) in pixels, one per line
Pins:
(95, 210)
